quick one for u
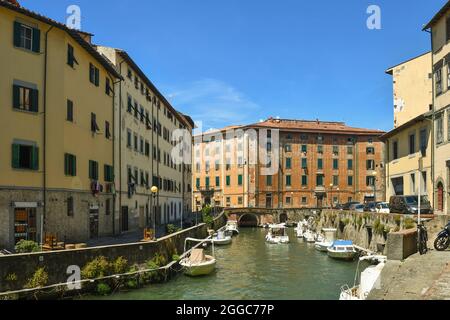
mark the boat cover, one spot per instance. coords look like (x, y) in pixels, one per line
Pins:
(343, 243)
(197, 256)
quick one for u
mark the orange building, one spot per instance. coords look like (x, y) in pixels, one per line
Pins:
(282, 163)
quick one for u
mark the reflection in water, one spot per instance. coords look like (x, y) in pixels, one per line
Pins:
(252, 269)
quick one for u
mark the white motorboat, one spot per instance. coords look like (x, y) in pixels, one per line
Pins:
(342, 249)
(232, 226)
(369, 280)
(326, 241)
(221, 238)
(277, 234)
(299, 232)
(309, 236)
(319, 238)
(198, 264)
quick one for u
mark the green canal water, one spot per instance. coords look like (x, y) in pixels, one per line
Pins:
(250, 268)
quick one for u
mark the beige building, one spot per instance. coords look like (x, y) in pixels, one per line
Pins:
(145, 123)
(57, 139)
(440, 35)
(412, 88)
(409, 145)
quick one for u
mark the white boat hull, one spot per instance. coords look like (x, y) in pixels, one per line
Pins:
(341, 255)
(199, 269)
(222, 242)
(323, 246)
(277, 240)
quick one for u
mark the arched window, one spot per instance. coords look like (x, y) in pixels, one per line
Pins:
(440, 197)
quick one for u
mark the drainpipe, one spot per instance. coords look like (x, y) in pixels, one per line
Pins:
(114, 150)
(120, 148)
(45, 137)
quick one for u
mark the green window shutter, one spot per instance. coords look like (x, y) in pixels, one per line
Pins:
(91, 173)
(36, 40)
(74, 165)
(66, 164)
(17, 29)
(35, 158)
(34, 100)
(15, 156)
(16, 97)
(97, 77)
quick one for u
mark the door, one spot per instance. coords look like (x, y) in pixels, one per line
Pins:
(440, 197)
(269, 200)
(124, 219)
(320, 201)
(25, 227)
(93, 223)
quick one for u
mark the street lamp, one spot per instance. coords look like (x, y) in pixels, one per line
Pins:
(375, 186)
(154, 191)
(331, 195)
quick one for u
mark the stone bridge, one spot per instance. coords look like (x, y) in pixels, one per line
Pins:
(253, 217)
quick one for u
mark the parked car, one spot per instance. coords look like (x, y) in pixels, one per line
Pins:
(382, 207)
(339, 207)
(410, 205)
(357, 207)
(370, 206)
(348, 205)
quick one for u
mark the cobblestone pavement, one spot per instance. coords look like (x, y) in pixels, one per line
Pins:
(419, 277)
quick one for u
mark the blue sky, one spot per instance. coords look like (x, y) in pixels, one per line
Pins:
(239, 61)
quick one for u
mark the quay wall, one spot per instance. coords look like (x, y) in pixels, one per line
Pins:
(57, 262)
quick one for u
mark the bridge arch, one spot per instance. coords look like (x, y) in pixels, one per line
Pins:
(248, 220)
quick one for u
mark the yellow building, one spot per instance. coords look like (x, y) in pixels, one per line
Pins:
(57, 115)
(440, 36)
(412, 88)
(409, 144)
(145, 123)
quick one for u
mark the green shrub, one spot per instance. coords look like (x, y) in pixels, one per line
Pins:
(120, 265)
(409, 223)
(11, 277)
(103, 289)
(170, 228)
(359, 221)
(26, 246)
(158, 261)
(97, 268)
(132, 284)
(175, 257)
(398, 219)
(38, 280)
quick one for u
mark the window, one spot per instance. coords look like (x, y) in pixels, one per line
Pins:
(109, 173)
(370, 181)
(320, 180)
(350, 180)
(439, 128)
(320, 149)
(370, 150)
(94, 126)
(25, 98)
(94, 75)
(207, 182)
(288, 181)
(370, 165)
(424, 141)
(288, 148)
(70, 207)
(228, 181)
(25, 157)
(71, 60)
(288, 163)
(349, 150)
(320, 164)
(438, 80)
(350, 164)
(335, 180)
(304, 180)
(304, 200)
(93, 170)
(269, 181)
(27, 37)
(130, 104)
(130, 74)
(412, 143)
(107, 130)
(304, 163)
(136, 143)
(142, 114)
(147, 148)
(217, 181)
(336, 150)
(240, 180)
(240, 200)
(141, 145)
(335, 164)
(288, 200)
(69, 112)
(70, 165)
(304, 148)
(129, 139)
(197, 183)
(413, 183)
(217, 165)
(395, 150)
(108, 88)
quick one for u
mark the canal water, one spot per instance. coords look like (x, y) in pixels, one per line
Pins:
(250, 268)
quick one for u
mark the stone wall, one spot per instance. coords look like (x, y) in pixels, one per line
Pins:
(56, 263)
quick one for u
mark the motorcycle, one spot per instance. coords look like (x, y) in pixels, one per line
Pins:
(442, 241)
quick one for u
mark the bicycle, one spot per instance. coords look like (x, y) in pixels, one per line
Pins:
(422, 237)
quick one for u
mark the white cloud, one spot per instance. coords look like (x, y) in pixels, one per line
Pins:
(214, 102)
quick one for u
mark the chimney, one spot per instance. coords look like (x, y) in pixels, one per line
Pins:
(14, 2)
